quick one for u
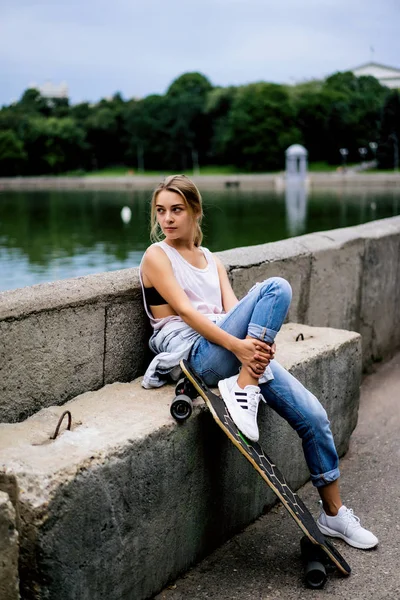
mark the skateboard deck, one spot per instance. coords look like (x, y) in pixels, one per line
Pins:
(266, 468)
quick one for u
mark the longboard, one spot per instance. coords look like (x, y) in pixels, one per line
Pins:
(266, 468)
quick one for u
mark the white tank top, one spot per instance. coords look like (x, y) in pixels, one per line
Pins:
(201, 286)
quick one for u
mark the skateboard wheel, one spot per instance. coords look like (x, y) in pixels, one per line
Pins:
(181, 407)
(313, 557)
(315, 574)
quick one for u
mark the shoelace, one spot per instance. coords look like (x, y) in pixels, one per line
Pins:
(253, 400)
(351, 517)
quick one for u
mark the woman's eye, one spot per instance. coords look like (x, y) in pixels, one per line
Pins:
(177, 209)
(160, 210)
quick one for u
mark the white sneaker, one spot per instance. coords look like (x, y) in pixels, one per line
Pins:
(242, 405)
(346, 525)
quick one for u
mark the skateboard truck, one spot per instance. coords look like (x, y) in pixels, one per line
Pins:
(182, 405)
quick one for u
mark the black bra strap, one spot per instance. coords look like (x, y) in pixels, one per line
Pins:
(153, 298)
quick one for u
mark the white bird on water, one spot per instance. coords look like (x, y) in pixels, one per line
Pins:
(126, 214)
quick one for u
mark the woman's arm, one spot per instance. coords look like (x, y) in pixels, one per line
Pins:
(229, 299)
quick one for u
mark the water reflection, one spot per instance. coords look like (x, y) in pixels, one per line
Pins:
(296, 206)
(126, 215)
(59, 234)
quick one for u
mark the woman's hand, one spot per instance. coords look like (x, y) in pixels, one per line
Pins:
(254, 355)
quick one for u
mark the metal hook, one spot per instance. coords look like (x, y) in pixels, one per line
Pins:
(66, 412)
(300, 337)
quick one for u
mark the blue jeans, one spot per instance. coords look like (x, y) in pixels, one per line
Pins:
(260, 314)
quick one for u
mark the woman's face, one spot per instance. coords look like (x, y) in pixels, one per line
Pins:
(173, 216)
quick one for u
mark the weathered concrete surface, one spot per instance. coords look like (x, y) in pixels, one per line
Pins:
(288, 258)
(9, 584)
(62, 354)
(335, 279)
(263, 562)
(60, 339)
(69, 293)
(126, 341)
(129, 499)
(380, 295)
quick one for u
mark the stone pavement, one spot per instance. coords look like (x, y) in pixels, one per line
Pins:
(263, 562)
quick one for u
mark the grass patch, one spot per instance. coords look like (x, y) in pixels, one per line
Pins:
(316, 167)
(123, 171)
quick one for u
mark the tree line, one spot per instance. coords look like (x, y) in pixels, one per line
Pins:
(195, 123)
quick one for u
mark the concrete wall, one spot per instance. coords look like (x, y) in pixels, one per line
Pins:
(128, 499)
(67, 337)
(9, 551)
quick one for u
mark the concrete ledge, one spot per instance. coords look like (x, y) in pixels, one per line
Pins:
(129, 499)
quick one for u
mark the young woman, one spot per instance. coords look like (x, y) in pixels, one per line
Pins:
(196, 315)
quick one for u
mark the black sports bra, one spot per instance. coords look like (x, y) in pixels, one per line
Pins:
(153, 298)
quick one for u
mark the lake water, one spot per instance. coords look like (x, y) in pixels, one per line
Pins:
(52, 235)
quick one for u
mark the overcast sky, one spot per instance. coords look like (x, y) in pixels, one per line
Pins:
(136, 47)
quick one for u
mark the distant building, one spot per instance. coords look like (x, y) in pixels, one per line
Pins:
(51, 90)
(389, 76)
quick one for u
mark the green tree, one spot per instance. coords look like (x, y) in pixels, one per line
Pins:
(148, 126)
(105, 132)
(54, 145)
(355, 118)
(33, 102)
(190, 84)
(218, 106)
(344, 113)
(12, 154)
(261, 126)
(190, 128)
(389, 143)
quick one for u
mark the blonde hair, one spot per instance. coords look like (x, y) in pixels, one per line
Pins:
(182, 185)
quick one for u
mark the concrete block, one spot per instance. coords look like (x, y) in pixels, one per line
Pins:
(9, 582)
(336, 272)
(128, 499)
(328, 363)
(287, 259)
(380, 307)
(48, 358)
(68, 293)
(127, 334)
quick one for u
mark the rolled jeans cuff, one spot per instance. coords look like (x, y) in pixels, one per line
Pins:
(261, 333)
(325, 478)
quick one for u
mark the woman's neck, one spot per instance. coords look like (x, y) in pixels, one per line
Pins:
(181, 244)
